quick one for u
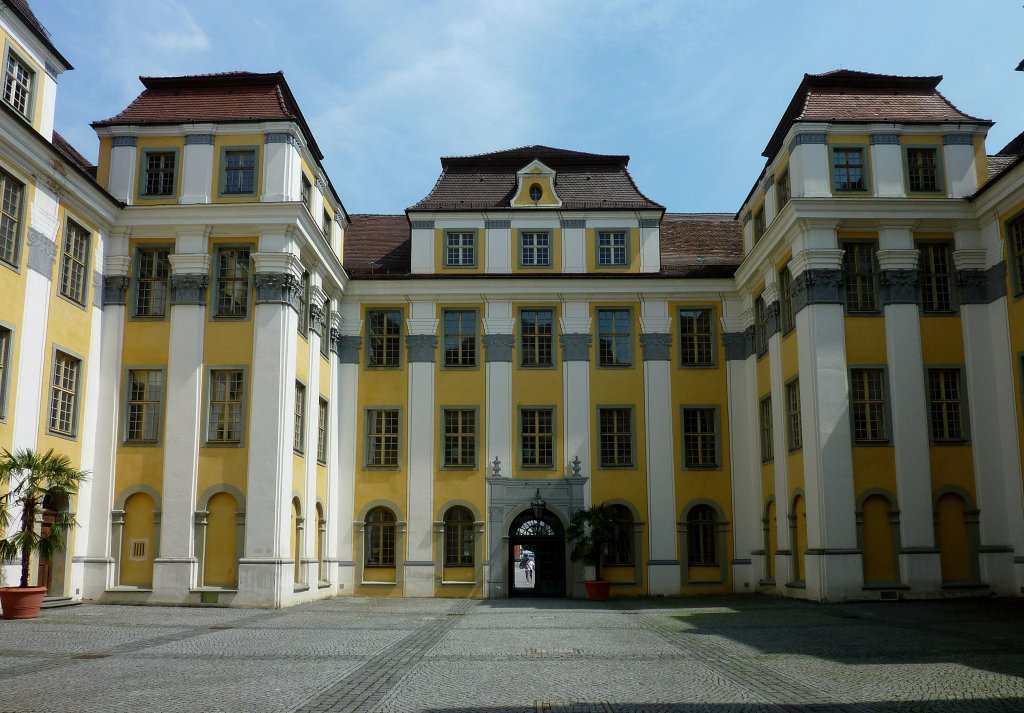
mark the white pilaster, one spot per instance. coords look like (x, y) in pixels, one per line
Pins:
(281, 164)
(310, 533)
(336, 517)
(123, 167)
(808, 163)
(575, 324)
(347, 410)
(498, 340)
(499, 246)
(959, 165)
(419, 561)
(175, 568)
(422, 246)
(197, 179)
(574, 246)
(887, 166)
(663, 567)
(650, 245)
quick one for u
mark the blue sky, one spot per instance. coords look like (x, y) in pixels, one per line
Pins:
(691, 90)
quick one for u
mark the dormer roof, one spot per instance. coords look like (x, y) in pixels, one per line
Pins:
(850, 97)
(488, 181)
(23, 11)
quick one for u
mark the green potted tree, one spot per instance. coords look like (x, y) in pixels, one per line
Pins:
(26, 479)
(592, 532)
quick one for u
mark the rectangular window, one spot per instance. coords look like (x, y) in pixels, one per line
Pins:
(867, 403)
(612, 248)
(534, 249)
(239, 171)
(11, 192)
(304, 306)
(321, 432)
(700, 438)
(537, 437)
(382, 438)
(158, 173)
(945, 405)
(460, 248)
(859, 277)
(232, 282)
(306, 193)
(299, 436)
(325, 224)
(1015, 233)
(767, 430)
(145, 405)
(787, 320)
(64, 394)
(18, 80)
(227, 392)
(759, 225)
(5, 367)
(615, 437)
(696, 337)
(782, 190)
(923, 170)
(936, 277)
(74, 263)
(614, 337)
(793, 426)
(536, 337)
(760, 326)
(152, 284)
(385, 338)
(848, 170)
(459, 438)
(325, 330)
(459, 338)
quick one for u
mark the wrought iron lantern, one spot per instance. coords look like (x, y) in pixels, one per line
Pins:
(538, 506)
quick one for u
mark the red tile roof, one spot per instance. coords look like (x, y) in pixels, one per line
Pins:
(71, 153)
(693, 245)
(847, 96)
(23, 11)
(583, 181)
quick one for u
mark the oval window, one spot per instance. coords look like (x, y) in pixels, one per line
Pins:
(536, 192)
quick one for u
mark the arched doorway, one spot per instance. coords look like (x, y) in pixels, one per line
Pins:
(52, 572)
(543, 541)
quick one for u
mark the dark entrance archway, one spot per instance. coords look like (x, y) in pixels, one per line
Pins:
(545, 539)
(51, 573)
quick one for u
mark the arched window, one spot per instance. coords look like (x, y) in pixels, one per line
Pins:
(700, 536)
(380, 538)
(458, 537)
(620, 553)
(321, 542)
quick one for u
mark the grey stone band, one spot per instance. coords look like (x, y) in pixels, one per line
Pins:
(498, 224)
(41, 253)
(422, 224)
(650, 222)
(339, 219)
(316, 319)
(97, 289)
(812, 287)
(278, 288)
(280, 137)
(656, 346)
(771, 320)
(738, 345)
(801, 139)
(320, 184)
(979, 287)
(189, 289)
(575, 347)
(574, 223)
(123, 141)
(200, 139)
(769, 181)
(498, 347)
(348, 349)
(958, 139)
(421, 347)
(885, 139)
(334, 335)
(115, 287)
(747, 216)
(899, 287)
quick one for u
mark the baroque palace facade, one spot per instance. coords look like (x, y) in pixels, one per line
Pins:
(277, 400)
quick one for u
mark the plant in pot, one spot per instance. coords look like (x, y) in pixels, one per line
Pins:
(592, 531)
(27, 478)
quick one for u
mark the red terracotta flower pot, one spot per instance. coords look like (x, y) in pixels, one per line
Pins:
(21, 602)
(598, 590)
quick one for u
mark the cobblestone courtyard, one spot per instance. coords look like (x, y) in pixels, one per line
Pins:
(719, 655)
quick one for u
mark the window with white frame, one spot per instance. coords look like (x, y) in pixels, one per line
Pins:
(612, 248)
(18, 80)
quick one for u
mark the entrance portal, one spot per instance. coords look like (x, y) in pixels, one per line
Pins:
(51, 573)
(536, 556)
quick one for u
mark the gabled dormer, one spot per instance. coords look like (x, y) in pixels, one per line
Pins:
(535, 187)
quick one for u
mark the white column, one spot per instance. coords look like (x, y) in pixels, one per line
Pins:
(499, 246)
(281, 165)
(498, 343)
(574, 245)
(656, 340)
(770, 208)
(887, 166)
(650, 245)
(197, 164)
(121, 182)
(421, 343)
(266, 572)
(346, 395)
(959, 165)
(833, 564)
(747, 506)
(336, 517)
(575, 342)
(310, 533)
(897, 260)
(176, 566)
(92, 543)
(48, 86)
(808, 163)
(422, 246)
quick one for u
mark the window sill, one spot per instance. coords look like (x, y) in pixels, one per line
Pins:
(221, 590)
(381, 467)
(455, 582)
(300, 588)
(223, 444)
(799, 584)
(63, 436)
(323, 585)
(121, 588)
(378, 584)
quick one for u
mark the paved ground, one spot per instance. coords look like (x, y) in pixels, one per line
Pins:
(714, 655)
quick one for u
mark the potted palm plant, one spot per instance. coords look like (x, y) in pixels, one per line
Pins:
(592, 531)
(26, 479)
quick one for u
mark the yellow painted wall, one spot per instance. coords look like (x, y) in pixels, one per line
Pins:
(548, 197)
(139, 523)
(158, 142)
(538, 386)
(880, 565)
(220, 565)
(633, 248)
(222, 142)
